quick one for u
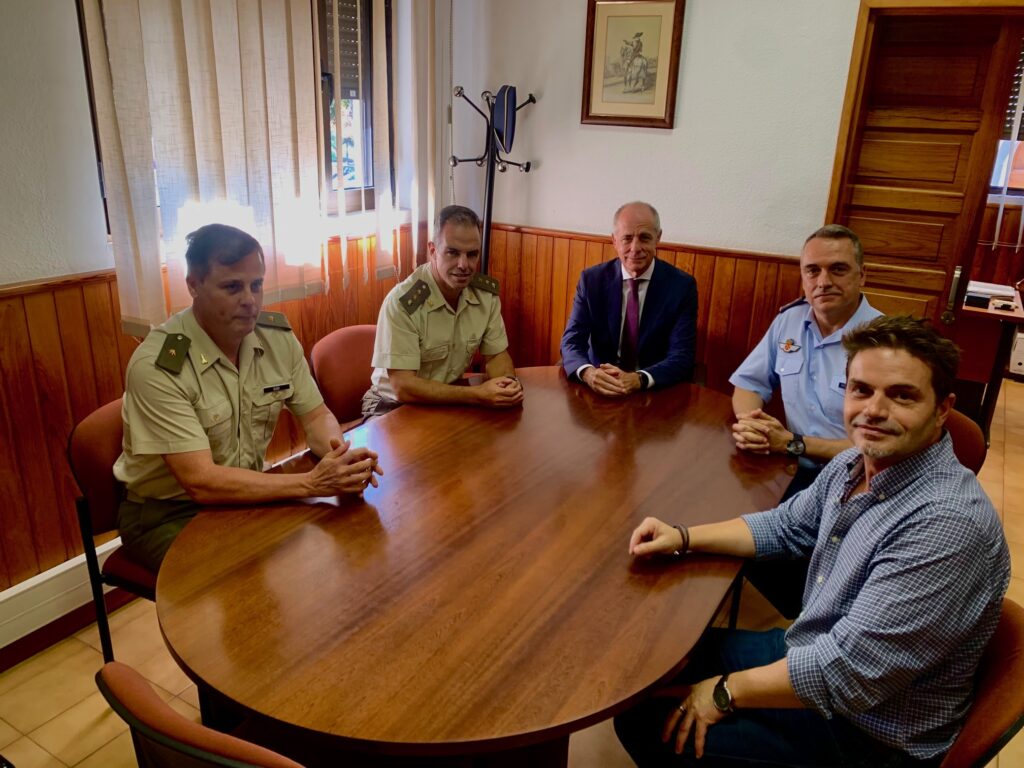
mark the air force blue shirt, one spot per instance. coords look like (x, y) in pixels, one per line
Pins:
(810, 370)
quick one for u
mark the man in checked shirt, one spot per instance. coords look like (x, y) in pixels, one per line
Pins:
(908, 567)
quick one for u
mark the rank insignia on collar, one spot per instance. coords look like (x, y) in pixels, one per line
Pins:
(485, 283)
(789, 346)
(273, 320)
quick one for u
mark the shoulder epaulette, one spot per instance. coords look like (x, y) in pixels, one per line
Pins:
(173, 352)
(794, 303)
(273, 320)
(485, 283)
(413, 299)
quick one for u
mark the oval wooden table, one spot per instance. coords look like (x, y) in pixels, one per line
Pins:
(482, 600)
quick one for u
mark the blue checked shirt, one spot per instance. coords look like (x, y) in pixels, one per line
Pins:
(904, 590)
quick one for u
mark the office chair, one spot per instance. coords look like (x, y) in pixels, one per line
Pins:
(968, 440)
(93, 447)
(997, 713)
(165, 739)
(341, 363)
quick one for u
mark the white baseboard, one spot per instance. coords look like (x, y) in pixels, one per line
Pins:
(36, 602)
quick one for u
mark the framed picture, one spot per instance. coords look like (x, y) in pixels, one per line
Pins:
(631, 62)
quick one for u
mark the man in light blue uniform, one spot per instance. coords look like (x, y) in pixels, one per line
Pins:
(802, 355)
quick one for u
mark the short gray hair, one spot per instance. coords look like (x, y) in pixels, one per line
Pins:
(455, 214)
(839, 232)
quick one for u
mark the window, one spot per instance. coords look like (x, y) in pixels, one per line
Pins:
(1009, 165)
(346, 44)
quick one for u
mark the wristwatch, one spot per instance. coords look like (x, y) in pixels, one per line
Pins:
(722, 697)
(796, 447)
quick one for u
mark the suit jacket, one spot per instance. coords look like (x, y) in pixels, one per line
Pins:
(668, 323)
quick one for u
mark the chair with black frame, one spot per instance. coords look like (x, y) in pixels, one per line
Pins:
(342, 366)
(997, 713)
(93, 447)
(165, 738)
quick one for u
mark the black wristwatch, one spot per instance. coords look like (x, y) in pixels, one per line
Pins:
(722, 697)
(796, 447)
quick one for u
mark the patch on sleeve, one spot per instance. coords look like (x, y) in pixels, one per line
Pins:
(273, 320)
(173, 352)
(413, 299)
(485, 283)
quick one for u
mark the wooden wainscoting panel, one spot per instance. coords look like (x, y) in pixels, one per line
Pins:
(63, 354)
(28, 426)
(51, 383)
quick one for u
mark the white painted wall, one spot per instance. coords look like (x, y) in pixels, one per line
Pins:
(51, 214)
(749, 162)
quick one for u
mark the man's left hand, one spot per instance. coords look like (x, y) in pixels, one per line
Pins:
(629, 380)
(697, 713)
(772, 429)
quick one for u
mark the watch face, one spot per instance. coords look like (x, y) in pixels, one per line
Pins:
(795, 447)
(721, 697)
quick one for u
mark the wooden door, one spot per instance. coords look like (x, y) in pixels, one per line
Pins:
(925, 103)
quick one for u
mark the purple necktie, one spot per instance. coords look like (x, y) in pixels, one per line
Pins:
(631, 328)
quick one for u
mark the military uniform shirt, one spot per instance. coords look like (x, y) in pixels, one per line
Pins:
(208, 405)
(810, 370)
(434, 340)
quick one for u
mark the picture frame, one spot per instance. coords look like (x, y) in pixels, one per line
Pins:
(631, 62)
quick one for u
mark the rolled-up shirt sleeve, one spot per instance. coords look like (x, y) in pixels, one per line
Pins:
(790, 530)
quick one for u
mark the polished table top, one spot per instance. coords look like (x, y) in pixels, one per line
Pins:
(483, 597)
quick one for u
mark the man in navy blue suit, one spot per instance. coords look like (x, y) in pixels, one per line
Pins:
(634, 321)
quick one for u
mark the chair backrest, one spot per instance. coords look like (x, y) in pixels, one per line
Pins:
(163, 737)
(93, 448)
(341, 367)
(998, 709)
(968, 440)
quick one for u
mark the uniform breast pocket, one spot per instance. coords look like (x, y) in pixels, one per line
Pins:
(266, 408)
(788, 365)
(216, 422)
(836, 396)
(433, 361)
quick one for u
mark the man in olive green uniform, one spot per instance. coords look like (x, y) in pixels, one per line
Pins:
(202, 397)
(433, 322)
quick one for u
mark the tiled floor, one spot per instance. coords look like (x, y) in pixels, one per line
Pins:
(51, 714)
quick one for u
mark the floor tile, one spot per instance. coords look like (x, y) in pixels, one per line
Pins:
(118, 621)
(38, 664)
(162, 670)
(191, 695)
(185, 709)
(598, 746)
(119, 753)
(25, 753)
(79, 731)
(7, 734)
(53, 689)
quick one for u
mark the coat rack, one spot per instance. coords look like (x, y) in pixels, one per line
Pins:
(500, 120)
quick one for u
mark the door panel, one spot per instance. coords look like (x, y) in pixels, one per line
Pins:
(924, 118)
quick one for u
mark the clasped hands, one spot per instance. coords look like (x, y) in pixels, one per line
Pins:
(345, 469)
(758, 432)
(500, 392)
(610, 380)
